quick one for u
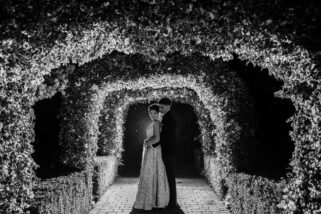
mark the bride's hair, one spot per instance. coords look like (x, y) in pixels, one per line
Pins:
(154, 107)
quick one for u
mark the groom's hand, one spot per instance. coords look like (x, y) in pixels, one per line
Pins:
(155, 144)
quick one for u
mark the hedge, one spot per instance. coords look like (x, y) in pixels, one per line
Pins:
(249, 194)
(244, 193)
(105, 172)
(215, 175)
(70, 194)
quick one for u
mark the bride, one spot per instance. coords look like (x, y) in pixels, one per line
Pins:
(153, 189)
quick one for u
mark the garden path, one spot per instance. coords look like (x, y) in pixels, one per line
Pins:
(194, 196)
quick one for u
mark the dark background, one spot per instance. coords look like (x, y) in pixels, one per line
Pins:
(136, 124)
(46, 145)
(275, 145)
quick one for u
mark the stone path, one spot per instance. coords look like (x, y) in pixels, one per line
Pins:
(194, 195)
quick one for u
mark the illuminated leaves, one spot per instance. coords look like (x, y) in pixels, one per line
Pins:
(132, 79)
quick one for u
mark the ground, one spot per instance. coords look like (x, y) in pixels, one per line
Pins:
(194, 195)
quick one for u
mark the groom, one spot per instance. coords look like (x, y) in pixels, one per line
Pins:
(167, 142)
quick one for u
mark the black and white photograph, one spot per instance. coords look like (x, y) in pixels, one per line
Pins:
(160, 107)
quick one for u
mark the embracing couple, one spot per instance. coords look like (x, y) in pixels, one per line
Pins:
(157, 185)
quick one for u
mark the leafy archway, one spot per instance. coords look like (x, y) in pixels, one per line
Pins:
(116, 106)
(85, 101)
(114, 119)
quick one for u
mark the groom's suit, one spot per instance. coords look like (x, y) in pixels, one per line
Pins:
(167, 142)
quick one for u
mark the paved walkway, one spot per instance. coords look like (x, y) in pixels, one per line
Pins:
(194, 195)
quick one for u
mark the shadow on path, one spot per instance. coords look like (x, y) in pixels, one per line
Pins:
(155, 211)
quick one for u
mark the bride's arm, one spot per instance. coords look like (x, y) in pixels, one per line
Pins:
(156, 137)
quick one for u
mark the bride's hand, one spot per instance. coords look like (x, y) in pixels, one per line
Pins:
(146, 142)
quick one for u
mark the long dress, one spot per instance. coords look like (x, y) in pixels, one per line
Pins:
(153, 188)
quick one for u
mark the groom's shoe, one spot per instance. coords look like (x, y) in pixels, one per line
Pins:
(173, 206)
(158, 208)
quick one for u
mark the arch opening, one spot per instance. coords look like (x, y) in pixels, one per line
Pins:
(112, 120)
(188, 149)
(114, 112)
(275, 146)
(46, 145)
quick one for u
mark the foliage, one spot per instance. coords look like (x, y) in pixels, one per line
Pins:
(59, 34)
(33, 20)
(215, 175)
(243, 193)
(105, 171)
(253, 194)
(66, 194)
(131, 74)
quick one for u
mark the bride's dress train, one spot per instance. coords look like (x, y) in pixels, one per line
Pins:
(153, 188)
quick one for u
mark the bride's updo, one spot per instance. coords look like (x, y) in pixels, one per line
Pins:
(154, 107)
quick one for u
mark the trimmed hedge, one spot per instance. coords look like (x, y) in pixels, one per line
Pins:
(215, 175)
(105, 172)
(244, 193)
(248, 194)
(70, 194)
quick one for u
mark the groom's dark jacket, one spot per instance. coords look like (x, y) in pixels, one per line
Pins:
(167, 135)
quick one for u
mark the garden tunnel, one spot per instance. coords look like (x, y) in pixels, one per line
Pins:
(223, 107)
(113, 117)
(97, 100)
(107, 142)
(99, 113)
(61, 49)
(117, 82)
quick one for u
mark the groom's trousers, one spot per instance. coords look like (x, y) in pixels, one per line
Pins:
(168, 162)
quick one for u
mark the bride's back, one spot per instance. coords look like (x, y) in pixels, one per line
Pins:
(150, 130)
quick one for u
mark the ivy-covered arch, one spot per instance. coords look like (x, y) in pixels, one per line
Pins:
(113, 114)
(213, 83)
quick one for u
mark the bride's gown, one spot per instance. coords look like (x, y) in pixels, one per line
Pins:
(153, 189)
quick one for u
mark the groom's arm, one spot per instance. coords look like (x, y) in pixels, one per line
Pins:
(156, 136)
(156, 144)
(163, 133)
(167, 131)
